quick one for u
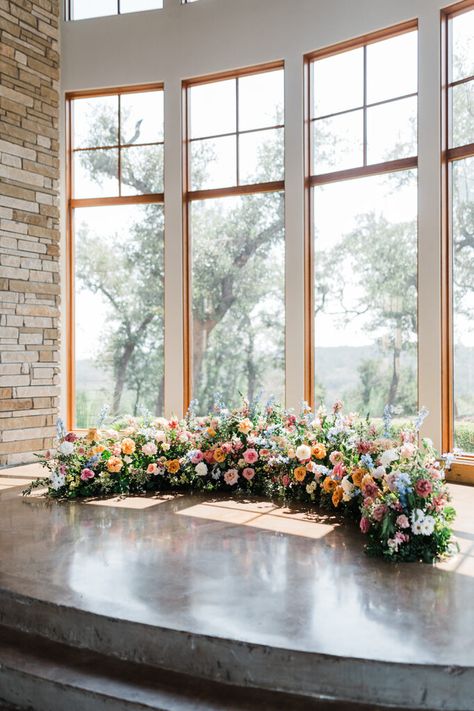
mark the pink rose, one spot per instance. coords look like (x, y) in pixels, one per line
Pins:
(197, 456)
(248, 473)
(149, 449)
(423, 488)
(402, 521)
(231, 477)
(151, 468)
(226, 447)
(238, 445)
(364, 524)
(87, 474)
(285, 480)
(379, 512)
(250, 456)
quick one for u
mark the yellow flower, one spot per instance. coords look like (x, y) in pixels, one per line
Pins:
(172, 466)
(219, 455)
(114, 464)
(300, 473)
(319, 450)
(337, 496)
(245, 426)
(128, 446)
(329, 485)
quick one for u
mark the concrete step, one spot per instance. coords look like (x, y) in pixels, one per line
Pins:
(40, 675)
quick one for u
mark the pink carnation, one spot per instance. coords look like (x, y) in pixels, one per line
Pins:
(87, 474)
(423, 487)
(248, 473)
(402, 521)
(250, 456)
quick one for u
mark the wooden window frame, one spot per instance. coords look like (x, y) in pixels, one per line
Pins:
(190, 196)
(70, 14)
(72, 204)
(462, 469)
(364, 170)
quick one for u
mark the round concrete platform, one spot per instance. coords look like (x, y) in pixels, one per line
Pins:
(244, 592)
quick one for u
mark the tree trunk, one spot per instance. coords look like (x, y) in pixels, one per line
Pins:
(251, 368)
(392, 394)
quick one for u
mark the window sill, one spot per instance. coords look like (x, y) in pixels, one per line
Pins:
(462, 471)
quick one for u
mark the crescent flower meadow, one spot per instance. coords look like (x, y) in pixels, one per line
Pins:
(390, 481)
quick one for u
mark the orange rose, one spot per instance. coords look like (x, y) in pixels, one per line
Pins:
(319, 450)
(337, 496)
(114, 464)
(98, 449)
(300, 473)
(329, 485)
(357, 475)
(173, 466)
(211, 432)
(92, 435)
(128, 446)
(219, 455)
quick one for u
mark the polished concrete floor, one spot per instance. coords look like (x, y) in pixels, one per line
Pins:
(241, 569)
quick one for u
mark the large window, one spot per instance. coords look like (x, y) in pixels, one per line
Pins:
(116, 221)
(82, 9)
(235, 237)
(459, 95)
(362, 122)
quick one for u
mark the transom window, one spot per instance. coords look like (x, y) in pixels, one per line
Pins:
(83, 9)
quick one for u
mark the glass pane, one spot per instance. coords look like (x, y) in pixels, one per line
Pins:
(261, 100)
(338, 82)
(142, 170)
(463, 296)
(96, 173)
(463, 114)
(212, 108)
(119, 276)
(93, 8)
(95, 122)
(366, 293)
(141, 117)
(238, 307)
(392, 130)
(463, 45)
(392, 67)
(261, 156)
(338, 142)
(138, 5)
(213, 163)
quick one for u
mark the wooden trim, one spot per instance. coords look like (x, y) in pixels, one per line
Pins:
(112, 91)
(274, 186)
(458, 8)
(391, 166)
(186, 260)
(362, 40)
(308, 248)
(234, 73)
(70, 318)
(460, 152)
(119, 200)
(461, 472)
(464, 80)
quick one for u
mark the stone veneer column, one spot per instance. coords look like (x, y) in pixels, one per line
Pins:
(29, 227)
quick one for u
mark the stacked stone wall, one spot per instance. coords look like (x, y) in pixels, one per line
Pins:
(29, 227)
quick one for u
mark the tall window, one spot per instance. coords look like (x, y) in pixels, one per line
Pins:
(235, 236)
(116, 253)
(82, 9)
(362, 128)
(459, 95)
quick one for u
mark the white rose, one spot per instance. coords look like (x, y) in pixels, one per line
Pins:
(303, 452)
(160, 436)
(201, 469)
(389, 456)
(379, 472)
(66, 448)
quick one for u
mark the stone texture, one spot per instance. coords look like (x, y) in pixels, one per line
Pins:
(29, 226)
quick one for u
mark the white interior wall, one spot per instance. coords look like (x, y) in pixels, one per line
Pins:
(183, 41)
